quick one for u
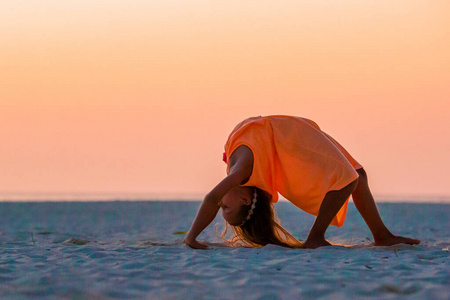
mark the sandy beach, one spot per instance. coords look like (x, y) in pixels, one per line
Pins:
(112, 250)
(114, 117)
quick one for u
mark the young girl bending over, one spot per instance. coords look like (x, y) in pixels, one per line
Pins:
(291, 156)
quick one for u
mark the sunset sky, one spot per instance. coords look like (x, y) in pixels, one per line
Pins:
(138, 97)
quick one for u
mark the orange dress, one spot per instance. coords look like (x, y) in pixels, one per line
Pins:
(293, 157)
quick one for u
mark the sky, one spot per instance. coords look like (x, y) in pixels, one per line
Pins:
(138, 97)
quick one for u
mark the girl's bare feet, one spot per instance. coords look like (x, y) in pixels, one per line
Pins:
(393, 240)
(315, 243)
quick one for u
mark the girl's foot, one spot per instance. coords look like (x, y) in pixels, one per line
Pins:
(393, 240)
(315, 243)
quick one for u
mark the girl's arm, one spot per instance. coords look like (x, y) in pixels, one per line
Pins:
(205, 215)
(209, 208)
(241, 167)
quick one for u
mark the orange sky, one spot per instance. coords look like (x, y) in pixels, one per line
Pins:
(139, 96)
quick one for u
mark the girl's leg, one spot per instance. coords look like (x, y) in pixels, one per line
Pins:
(364, 202)
(331, 204)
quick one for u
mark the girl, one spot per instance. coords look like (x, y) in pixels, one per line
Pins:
(291, 156)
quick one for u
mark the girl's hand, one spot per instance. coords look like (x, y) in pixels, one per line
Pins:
(194, 244)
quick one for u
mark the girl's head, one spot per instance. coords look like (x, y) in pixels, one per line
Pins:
(257, 226)
(236, 204)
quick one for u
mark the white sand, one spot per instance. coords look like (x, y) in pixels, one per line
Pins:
(129, 250)
(273, 272)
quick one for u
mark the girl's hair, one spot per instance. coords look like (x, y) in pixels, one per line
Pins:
(262, 228)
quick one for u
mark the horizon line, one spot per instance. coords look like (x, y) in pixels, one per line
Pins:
(111, 196)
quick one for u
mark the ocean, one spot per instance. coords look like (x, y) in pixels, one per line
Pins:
(134, 250)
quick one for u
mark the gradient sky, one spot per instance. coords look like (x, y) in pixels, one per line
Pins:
(140, 96)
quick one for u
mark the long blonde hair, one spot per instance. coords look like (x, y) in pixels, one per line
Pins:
(262, 228)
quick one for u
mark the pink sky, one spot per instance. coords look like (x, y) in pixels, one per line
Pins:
(139, 96)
